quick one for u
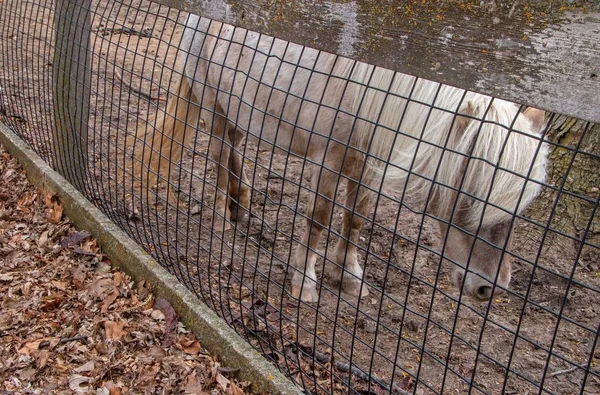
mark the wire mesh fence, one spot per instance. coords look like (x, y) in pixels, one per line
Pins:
(368, 231)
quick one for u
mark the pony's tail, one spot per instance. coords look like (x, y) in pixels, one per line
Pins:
(159, 142)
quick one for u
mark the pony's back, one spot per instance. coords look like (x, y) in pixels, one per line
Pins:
(419, 133)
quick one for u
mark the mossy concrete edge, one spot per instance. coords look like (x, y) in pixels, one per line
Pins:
(212, 332)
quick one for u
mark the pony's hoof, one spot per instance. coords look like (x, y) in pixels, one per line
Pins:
(309, 294)
(354, 288)
(238, 213)
(221, 225)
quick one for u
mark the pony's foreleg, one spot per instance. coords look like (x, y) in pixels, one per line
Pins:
(346, 256)
(220, 150)
(304, 280)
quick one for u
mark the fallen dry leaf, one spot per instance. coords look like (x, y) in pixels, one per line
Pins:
(75, 238)
(235, 390)
(157, 353)
(26, 200)
(51, 339)
(62, 285)
(26, 374)
(43, 238)
(51, 302)
(41, 358)
(7, 277)
(222, 381)
(190, 346)
(89, 247)
(29, 347)
(56, 213)
(193, 385)
(79, 276)
(49, 200)
(114, 330)
(119, 279)
(157, 315)
(101, 286)
(170, 320)
(86, 367)
(141, 289)
(78, 383)
(146, 379)
(110, 298)
(26, 288)
(111, 388)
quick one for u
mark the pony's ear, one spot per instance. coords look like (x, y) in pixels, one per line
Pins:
(537, 118)
(463, 121)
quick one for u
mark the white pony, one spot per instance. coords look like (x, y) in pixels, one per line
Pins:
(474, 161)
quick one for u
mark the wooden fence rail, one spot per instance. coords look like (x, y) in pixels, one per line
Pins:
(540, 53)
(544, 53)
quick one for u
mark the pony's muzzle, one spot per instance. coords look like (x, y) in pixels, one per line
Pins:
(477, 287)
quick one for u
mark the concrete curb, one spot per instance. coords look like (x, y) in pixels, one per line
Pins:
(212, 332)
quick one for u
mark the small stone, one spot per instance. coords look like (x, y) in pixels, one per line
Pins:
(412, 325)
(370, 326)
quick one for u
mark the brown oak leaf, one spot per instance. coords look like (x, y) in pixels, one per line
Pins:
(170, 320)
(114, 330)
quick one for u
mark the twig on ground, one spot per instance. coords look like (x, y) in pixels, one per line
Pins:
(274, 176)
(135, 90)
(82, 339)
(147, 33)
(564, 371)
(512, 9)
(344, 367)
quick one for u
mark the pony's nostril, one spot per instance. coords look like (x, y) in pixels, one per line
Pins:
(484, 292)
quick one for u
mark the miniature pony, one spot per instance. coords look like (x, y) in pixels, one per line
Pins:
(474, 161)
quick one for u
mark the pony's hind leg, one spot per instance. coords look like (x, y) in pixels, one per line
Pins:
(159, 143)
(345, 255)
(239, 186)
(304, 280)
(220, 150)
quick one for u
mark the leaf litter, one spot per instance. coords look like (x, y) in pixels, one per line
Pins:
(69, 323)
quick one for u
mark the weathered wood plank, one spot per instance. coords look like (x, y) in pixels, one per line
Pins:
(71, 91)
(540, 53)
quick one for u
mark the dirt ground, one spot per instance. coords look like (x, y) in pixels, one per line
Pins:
(412, 329)
(69, 323)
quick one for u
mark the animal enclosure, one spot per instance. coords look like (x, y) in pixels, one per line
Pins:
(368, 231)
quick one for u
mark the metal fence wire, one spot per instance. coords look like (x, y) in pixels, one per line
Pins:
(367, 231)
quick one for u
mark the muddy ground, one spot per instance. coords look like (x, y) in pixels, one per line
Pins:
(413, 329)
